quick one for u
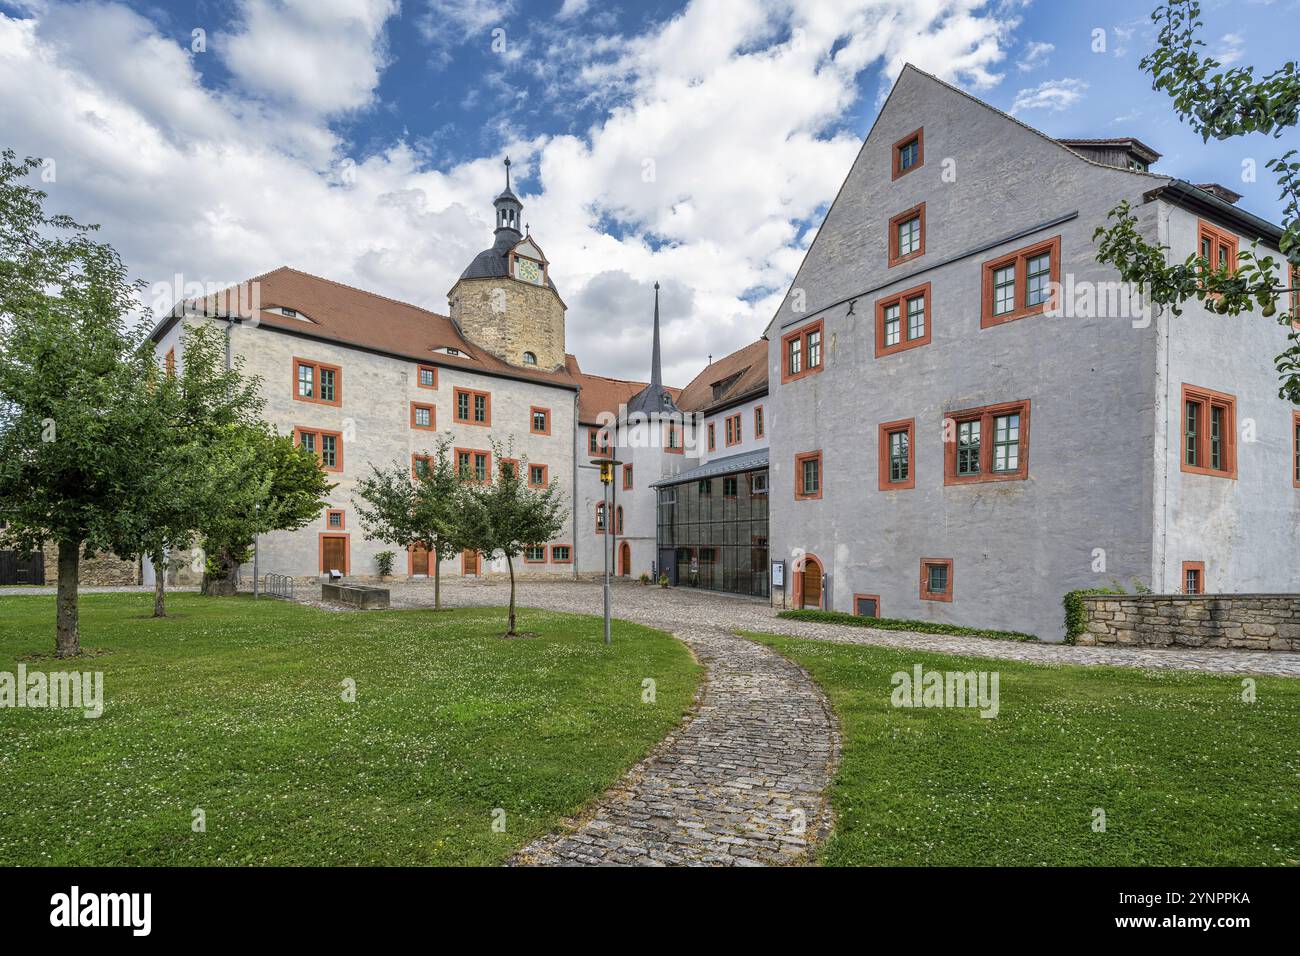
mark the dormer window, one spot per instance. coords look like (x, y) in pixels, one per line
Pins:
(292, 313)
(451, 351)
(530, 358)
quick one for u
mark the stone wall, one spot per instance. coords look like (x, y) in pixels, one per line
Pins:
(1256, 622)
(103, 570)
(509, 317)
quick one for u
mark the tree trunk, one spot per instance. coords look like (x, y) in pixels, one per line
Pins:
(436, 558)
(511, 565)
(67, 632)
(223, 586)
(159, 560)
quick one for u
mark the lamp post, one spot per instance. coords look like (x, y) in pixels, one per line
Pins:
(607, 466)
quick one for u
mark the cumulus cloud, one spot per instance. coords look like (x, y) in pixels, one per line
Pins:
(723, 133)
(1034, 55)
(1051, 95)
(323, 56)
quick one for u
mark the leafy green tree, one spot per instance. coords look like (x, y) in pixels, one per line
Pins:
(275, 486)
(76, 433)
(196, 410)
(423, 510)
(1219, 104)
(504, 516)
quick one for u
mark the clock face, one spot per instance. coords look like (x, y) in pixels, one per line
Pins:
(528, 270)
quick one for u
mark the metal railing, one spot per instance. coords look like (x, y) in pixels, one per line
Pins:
(278, 585)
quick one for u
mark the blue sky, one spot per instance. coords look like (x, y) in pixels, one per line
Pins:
(693, 143)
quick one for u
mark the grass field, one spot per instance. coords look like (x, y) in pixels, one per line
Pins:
(236, 708)
(1185, 771)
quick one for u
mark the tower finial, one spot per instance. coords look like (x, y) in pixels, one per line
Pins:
(656, 371)
(507, 172)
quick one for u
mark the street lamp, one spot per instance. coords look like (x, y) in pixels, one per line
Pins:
(607, 466)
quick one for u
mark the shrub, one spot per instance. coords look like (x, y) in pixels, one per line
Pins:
(898, 624)
(1073, 604)
(384, 561)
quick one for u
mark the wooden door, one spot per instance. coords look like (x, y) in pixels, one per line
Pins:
(419, 561)
(625, 559)
(812, 584)
(469, 563)
(333, 554)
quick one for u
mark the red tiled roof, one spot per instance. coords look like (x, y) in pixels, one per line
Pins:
(748, 368)
(601, 394)
(339, 313)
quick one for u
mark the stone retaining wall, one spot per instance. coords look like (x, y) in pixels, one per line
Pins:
(1255, 622)
(102, 570)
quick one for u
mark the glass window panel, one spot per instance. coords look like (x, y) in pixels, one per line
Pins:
(916, 317)
(795, 361)
(1191, 434)
(1004, 290)
(891, 325)
(814, 349)
(327, 385)
(1006, 443)
(968, 448)
(329, 450)
(1037, 276)
(305, 380)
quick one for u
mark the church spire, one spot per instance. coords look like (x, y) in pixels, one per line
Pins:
(656, 370)
(508, 209)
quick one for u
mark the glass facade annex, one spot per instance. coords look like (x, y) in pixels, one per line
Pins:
(713, 533)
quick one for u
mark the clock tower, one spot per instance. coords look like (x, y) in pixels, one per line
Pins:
(505, 301)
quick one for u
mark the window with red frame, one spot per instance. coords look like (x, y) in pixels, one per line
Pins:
(903, 320)
(317, 382)
(472, 408)
(758, 421)
(808, 475)
(897, 454)
(325, 445)
(907, 235)
(713, 438)
(909, 153)
(1209, 432)
(1217, 246)
(733, 429)
(627, 477)
(987, 444)
(1019, 284)
(801, 352)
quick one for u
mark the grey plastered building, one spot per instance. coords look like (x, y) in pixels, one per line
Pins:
(954, 444)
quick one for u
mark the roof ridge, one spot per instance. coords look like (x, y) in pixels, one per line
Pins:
(1033, 129)
(353, 288)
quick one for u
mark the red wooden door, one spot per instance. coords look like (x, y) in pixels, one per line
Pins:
(812, 584)
(469, 563)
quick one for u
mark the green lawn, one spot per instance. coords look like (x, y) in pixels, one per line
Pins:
(1185, 771)
(235, 708)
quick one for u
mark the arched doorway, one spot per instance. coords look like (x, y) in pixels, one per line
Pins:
(810, 579)
(624, 559)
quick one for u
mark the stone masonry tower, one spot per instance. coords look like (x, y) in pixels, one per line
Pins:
(505, 301)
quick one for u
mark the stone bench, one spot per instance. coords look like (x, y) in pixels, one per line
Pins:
(354, 595)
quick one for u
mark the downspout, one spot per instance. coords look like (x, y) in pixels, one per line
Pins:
(573, 512)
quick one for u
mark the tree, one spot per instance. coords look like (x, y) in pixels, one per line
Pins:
(275, 485)
(421, 510)
(196, 410)
(75, 431)
(1219, 104)
(504, 516)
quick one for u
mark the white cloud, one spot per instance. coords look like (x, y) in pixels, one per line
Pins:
(1034, 55)
(1053, 95)
(1230, 48)
(323, 56)
(744, 123)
